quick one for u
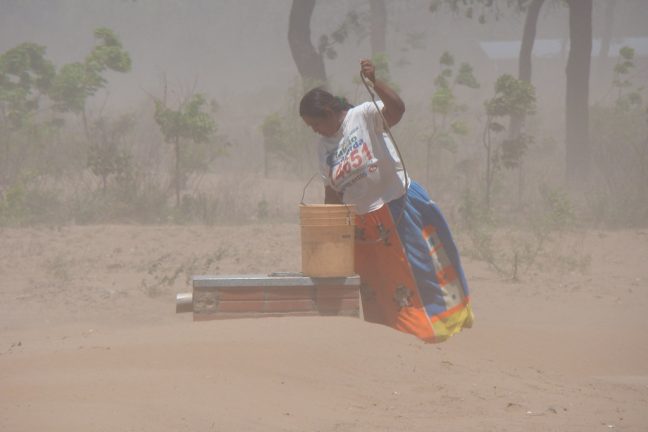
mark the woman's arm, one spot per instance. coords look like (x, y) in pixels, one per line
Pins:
(394, 107)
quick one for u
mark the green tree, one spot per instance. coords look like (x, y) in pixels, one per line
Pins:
(108, 156)
(618, 194)
(628, 94)
(188, 123)
(284, 135)
(512, 97)
(25, 76)
(577, 139)
(76, 82)
(448, 113)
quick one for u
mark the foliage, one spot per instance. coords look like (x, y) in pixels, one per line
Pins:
(285, 138)
(444, 101)
(619, 141)
(628, 95)
(482, 10)
(557, 209)
(188, 123)
(76, 82)
(107, 156)
(466, 77)
(327, 42)
(25, 74)
(138, 197)
(514, 250)
(26, 78)
(477, 221)
(27, 201)
(450, 121)
(512, 97)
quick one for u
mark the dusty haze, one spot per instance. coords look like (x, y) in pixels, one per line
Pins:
(89, 269)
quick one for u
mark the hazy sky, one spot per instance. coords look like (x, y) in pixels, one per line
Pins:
(237, 51)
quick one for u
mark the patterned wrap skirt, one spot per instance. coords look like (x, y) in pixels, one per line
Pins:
(412, 279)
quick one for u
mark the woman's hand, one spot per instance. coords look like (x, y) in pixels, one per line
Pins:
(394, 107)
(368, 70)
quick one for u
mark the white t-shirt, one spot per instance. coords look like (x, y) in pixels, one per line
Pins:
(361, 162)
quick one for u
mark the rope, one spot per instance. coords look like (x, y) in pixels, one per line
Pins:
(385, 234)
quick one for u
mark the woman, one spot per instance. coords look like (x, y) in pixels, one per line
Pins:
(408, 263)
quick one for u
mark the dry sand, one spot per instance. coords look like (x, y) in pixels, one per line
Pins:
(89, 341)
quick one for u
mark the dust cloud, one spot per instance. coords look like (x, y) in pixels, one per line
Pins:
(101, 226)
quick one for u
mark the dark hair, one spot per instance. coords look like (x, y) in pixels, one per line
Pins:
(317, 101)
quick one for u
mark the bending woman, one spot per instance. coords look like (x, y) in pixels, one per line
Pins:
(412, 279)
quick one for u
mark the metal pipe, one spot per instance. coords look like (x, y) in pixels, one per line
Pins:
(184, 302)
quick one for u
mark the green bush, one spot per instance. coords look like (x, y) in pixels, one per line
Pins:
(27, 202)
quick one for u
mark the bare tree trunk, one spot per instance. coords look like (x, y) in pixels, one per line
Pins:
(378, 26)
(524, 62)
(86, 128)
(577, 94)
(309, 62)
(524, 74)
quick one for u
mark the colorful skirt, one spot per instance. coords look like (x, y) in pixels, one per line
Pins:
(412, 279)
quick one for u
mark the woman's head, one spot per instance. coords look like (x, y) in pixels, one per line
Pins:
(322, 111)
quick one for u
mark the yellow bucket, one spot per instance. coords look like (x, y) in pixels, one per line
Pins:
(327, 239)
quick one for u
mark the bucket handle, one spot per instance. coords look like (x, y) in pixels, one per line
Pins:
(306, 187)
(349, 212)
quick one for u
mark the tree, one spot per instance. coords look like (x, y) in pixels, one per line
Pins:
(619, 147)
(107, 157)
(284, 135)
(448, 114)
(310, 60)
(76, 82)
(187, 123)
(512, 97)
(525, 62)
(310, 63)
(577, 156)
(577, 71)
(628, 95)
(25, 76)
(494, 9)
(524, 74)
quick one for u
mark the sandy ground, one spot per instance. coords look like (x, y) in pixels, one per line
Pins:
(89, 341)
